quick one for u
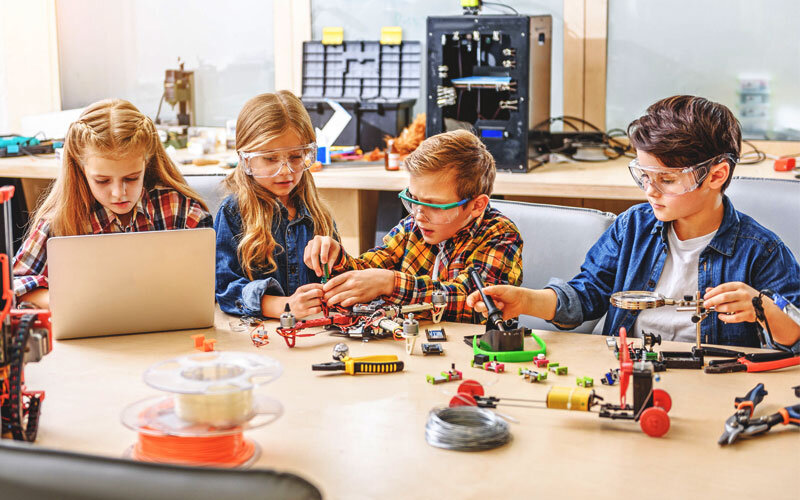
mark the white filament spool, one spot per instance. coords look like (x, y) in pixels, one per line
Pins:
(214, 388)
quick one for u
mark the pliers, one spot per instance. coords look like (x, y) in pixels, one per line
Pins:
(753, 362)
(741, 424)
(364, 364)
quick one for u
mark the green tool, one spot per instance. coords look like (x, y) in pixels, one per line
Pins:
(509, 356)
(327, 275)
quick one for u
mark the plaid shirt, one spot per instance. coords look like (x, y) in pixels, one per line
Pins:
(492, 245)
(157, 210)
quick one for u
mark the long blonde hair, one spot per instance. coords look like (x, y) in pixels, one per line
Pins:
(262, 119)
(110, 128)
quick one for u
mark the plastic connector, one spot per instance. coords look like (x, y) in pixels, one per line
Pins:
(785, 164)
(208, 345)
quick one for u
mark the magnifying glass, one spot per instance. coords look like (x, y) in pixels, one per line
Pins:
(642, 299)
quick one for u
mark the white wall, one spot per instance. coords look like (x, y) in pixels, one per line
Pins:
(28, 61)
(121, 48)
(658, 49)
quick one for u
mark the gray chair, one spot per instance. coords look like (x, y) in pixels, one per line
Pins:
(556, 240)
(33, 473)
(209, 187)
(774, 203)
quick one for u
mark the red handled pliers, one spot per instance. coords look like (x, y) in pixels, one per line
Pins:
(754, 362)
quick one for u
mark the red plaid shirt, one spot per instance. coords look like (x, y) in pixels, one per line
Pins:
(491, 244)
(157, 210)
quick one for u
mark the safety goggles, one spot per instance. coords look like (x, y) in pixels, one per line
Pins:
(433, 213)
(270, 163)
(675, 181)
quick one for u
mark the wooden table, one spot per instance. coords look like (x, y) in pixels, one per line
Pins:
(352, 191)
(363, 436)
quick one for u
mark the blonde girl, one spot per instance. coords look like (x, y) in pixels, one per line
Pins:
(272, 212)
(115, 177)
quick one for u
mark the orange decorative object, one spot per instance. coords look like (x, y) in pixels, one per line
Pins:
(198, 340)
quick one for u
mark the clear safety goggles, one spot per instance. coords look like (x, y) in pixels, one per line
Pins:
(270, 163)
(433, 213)
(675, 181)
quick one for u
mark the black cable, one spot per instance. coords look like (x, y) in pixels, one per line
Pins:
(609, 139)
(512, 9)
(751, 157)
(758, 305)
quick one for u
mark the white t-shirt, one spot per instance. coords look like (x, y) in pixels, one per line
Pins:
(678, 278)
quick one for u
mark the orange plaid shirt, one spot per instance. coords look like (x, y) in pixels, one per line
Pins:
(491, 244)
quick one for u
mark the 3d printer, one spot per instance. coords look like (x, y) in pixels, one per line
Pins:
(490, 74)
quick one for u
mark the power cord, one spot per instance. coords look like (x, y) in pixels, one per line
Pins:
(512, 9)
(751, 157)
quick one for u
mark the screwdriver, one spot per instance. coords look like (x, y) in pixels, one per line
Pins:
(493, 314)
(326, 276)
(364, 364)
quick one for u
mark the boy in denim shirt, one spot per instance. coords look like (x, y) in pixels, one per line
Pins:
(687, 237)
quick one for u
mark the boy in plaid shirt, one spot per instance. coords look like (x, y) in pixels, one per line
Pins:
(451, 227)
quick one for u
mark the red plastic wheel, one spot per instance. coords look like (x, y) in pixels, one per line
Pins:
(463, 399)
(654, 421)
(471, 387)
(662, 400)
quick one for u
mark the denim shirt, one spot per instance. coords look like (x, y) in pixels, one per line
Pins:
(630, 255)
(237, 294)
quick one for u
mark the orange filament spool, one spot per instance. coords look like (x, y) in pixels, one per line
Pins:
(231, 450)
(209, 405)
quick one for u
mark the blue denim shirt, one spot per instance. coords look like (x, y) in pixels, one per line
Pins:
(235, 293)
(630, 256)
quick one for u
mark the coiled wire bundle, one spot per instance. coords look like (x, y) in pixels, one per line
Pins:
(466, 428)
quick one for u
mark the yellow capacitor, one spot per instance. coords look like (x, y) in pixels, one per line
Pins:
(570, 398)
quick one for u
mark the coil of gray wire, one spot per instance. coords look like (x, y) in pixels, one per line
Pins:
(466, 428)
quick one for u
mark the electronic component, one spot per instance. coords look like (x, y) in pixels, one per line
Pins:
(432, 349)
(532, 376)
(448, 376)
(436, 335)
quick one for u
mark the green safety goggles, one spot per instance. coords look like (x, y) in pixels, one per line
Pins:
(434, 213)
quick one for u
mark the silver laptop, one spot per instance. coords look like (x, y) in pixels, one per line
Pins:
(110, 284)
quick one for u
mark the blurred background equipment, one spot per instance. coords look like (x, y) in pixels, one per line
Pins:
(179, 89)
(377, 82)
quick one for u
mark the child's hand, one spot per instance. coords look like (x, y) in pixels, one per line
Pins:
(356, 287)
(306, 300)
(733, 301)
(320, 251)
(510, 299)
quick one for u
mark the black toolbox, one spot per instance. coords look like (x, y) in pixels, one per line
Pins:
(377, 84)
